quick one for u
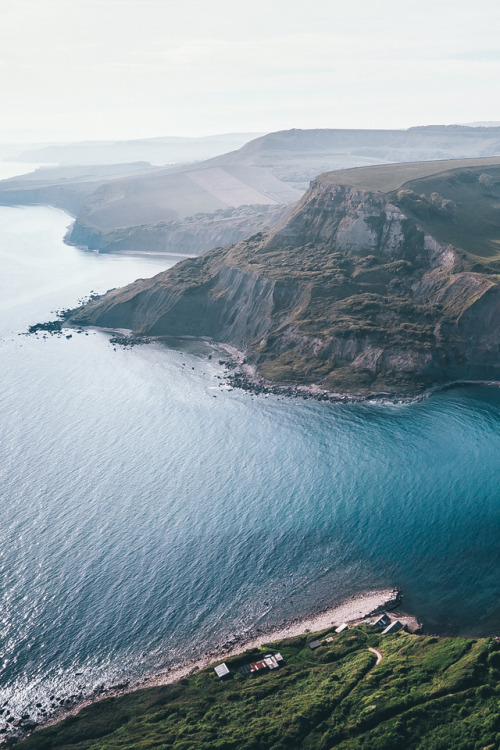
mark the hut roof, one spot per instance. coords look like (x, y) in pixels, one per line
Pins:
(221, 670)
(393, 627)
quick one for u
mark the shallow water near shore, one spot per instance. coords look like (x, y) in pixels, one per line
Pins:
(150, 513)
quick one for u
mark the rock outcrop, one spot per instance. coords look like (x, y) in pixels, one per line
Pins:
(351, 293)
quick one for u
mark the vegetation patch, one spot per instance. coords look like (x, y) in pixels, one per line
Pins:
(426, 694)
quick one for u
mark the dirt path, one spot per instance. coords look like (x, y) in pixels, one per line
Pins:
(377, 654)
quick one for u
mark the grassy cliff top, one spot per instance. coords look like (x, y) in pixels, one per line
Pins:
(388, 177)
(357, 292)
(426, 693)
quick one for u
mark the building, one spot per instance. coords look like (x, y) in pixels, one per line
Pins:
(314, 644)
(221, 671)
(342, 627)
(270, 661)
(382, 622)
(393, 627)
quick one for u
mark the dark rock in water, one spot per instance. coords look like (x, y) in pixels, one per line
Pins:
(13, 740)
(121, 685)
(30, 725)
(52, 326)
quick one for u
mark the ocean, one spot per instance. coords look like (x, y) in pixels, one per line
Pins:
(149, 511)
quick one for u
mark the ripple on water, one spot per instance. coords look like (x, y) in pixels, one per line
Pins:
(144, 520)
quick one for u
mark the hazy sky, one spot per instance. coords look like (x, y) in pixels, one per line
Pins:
(87, 69)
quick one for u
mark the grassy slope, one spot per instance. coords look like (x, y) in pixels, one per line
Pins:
(427, 693)
(388, 177)
(473, 223)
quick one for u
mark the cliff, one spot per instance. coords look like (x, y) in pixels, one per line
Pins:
(191, 235)
(352, 292)
(179, 208)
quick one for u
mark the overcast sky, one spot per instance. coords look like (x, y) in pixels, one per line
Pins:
(89, 69)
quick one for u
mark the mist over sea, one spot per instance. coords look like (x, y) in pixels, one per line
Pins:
(149, 512)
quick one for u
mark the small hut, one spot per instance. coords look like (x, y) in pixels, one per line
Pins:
(382, 622)
(221, 671)
(394, 627)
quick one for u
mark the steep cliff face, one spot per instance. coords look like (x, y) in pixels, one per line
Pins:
(350, 293)
(191, 236)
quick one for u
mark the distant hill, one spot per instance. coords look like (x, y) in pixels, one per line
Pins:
(65, 187)
(483, 124)
(159, 151)
(193, 208)
(298, 156)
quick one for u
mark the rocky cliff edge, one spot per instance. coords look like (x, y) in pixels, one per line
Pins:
(351, 293)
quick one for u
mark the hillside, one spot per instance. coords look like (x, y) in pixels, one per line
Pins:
(298, 156)
(64, 187)
(424, 694)
(373, 284)
(180, 207)
(160, 150)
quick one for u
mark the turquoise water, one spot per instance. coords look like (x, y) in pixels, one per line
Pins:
(148, 513)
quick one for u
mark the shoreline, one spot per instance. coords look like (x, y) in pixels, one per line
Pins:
(350, 610)
(245, 377)
(240, 375)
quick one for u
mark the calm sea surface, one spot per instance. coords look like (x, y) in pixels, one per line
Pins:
(147, 513)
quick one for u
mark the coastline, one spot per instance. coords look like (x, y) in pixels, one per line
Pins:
(245, 377)
(351, 610)
(240, 375)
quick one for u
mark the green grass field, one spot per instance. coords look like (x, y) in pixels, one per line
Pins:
(427, 693)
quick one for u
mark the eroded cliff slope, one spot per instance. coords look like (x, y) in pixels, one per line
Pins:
(353, 292)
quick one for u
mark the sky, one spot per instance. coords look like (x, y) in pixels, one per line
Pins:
(119, 69)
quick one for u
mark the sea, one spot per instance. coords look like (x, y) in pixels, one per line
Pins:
(149, 512)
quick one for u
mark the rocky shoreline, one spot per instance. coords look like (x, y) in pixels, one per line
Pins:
(246, 378)
(243, 376)
(254, 383)
(239, 375)
(351, 610)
